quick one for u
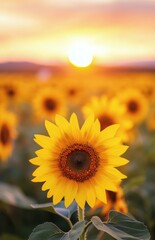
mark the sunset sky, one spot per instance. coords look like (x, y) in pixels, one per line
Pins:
(42, 31)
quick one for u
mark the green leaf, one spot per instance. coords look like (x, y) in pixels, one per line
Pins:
(46, 231)
(58, 209)
(121, 227)
(51, 208)
(13, 196)
(75, 232)
(49, 231)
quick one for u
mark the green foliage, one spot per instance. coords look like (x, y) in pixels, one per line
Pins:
(49, 231)
(58, 209)
(46, 231)
(13, 195)
(121, 227)
(75, 231)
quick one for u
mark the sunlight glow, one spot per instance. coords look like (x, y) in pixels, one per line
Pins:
(80, 53)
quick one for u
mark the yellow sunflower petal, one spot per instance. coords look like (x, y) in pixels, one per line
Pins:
(70, 192)
(52, 129)
(87, 125)
(111, 142)
(43, 141)
(114, 173)
(39, 178)
(74, 125)
(95, 130)
(117, 161)
(104, 182)
(96, 126)
(44, 154)
(40, 161)
(101, 194)
(53, 187)
(50, 182)
(109, 132)
(91, 194)
(116, 151)
(58, 193)
(36, 161)
(62, 123)
(81, 195)
(41, 170)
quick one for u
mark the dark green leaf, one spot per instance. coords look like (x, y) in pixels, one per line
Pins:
(49, 231)
(46, 231)
(121, 227)
(51, 208)
(75, 232)
(13, 196)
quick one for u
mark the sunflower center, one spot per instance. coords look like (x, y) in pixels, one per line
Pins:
(72, 92)
(10, 92)
(132, 106)
(112, 196)
(105, 121)
(49, 104)
(79, 162)
(4, 134)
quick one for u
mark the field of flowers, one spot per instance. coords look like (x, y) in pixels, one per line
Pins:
(119, 97)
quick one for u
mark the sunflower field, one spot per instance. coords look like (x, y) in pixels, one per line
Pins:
(77, 137)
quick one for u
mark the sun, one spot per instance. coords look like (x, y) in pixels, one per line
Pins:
(80, 53)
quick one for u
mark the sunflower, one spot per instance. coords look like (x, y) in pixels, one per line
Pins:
(136, 104)
(13, 90)
(150, 121)
(75, 93)
(47, 102)
(8, 123)
(105, 110)
(3, 99)
(115, 201)
(78, 163)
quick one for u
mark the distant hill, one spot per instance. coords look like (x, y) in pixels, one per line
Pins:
(26, 67)
(34, 67)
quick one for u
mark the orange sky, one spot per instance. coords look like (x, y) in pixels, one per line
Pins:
(42, 30)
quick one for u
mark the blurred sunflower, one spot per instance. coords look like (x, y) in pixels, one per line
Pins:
(147, 87)
(47, 102)
(115, 201)
(78, 163)
(109, 111)
(150, 122)
(3, 99)
(8, 123)
(75, 92)
(135, 103)
(13, 90)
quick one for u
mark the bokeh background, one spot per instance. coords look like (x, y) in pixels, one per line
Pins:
(59, 57)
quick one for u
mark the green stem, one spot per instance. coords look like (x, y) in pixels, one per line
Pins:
(81, 217)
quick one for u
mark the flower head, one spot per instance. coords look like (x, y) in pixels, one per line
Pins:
(136, 104)
(115, 200)
(47, 102)
(78, 163)
(104, 109)
(8, 124)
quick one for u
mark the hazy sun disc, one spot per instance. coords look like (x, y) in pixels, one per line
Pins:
(80, 54)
